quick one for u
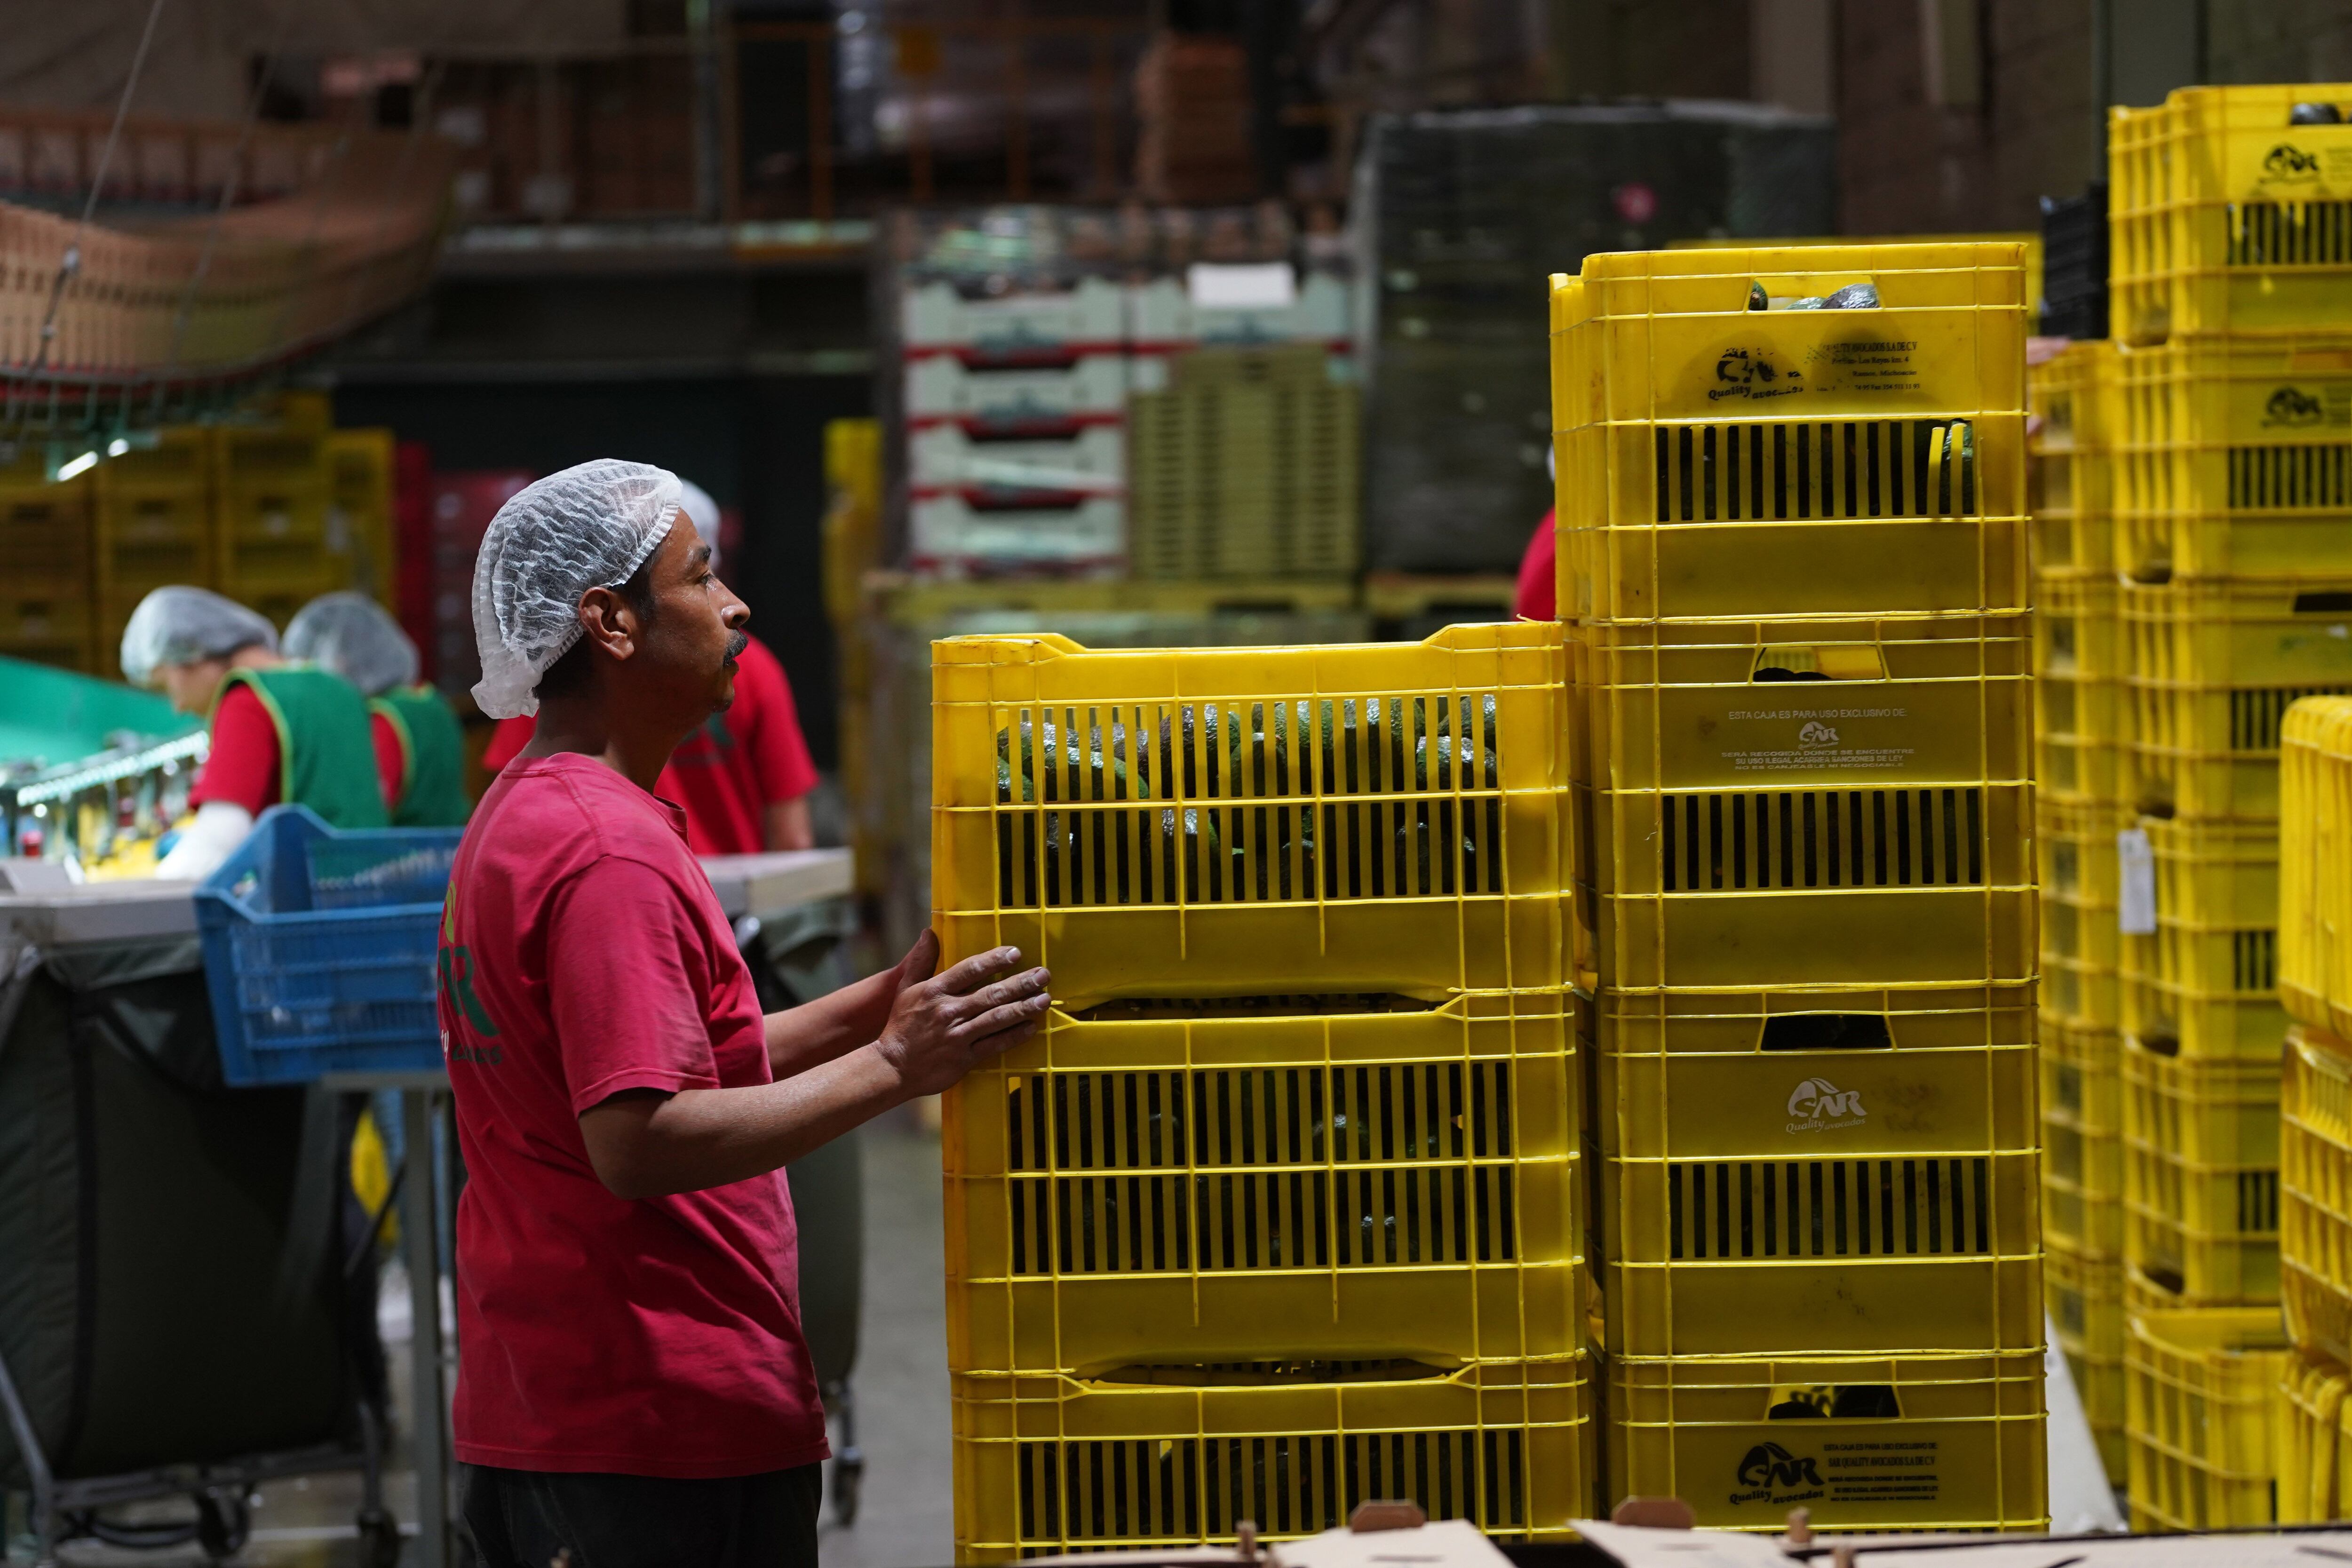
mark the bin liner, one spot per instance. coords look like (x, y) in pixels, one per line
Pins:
(170, 1287)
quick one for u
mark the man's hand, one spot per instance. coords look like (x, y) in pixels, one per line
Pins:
(941, 1027)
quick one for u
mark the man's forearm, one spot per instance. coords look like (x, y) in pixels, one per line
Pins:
(840, 1021)
(648, 1145)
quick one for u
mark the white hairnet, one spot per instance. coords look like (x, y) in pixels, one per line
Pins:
(357, 638)
(696, 502)
(588, 527)
(183, 625)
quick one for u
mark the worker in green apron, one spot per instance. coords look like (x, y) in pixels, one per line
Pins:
(419, 745)
(282, 731)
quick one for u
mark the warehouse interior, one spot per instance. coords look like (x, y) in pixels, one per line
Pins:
(1623, 730)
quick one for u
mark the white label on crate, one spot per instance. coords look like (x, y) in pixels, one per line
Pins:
(1817, 1105)
(1268, 286)
(2136, 896)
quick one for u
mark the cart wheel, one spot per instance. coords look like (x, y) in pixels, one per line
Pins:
(379, 1538)
(848, 1470)
(224, 1520)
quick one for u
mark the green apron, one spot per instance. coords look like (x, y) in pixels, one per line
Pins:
(433, 758)
(326, 750)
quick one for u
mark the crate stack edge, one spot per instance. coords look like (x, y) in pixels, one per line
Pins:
(2231, 484)
(1296, 1165)
(1794, 562)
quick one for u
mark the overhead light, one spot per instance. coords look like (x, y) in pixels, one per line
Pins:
(117, 447)
(78, 466)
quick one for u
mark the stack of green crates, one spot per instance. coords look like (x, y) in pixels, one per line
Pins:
(2077, 696)
(1794, 561)
(1245, 467)
(2232, 482)
(1281, 1210)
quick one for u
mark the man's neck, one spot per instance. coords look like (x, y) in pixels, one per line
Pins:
(255, 657)
(586, 724)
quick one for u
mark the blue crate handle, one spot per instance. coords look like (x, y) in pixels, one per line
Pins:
(360, 910)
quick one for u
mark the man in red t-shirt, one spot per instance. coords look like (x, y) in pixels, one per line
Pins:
(633, 1389)
(745, 775)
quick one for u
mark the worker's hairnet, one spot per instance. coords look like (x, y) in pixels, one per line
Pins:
(183, 625)
(357, 638)
(696, 502)
(588, 527)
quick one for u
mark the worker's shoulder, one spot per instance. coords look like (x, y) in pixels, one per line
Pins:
(573, 809)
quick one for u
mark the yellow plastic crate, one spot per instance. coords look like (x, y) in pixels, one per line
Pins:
(2075, 630)
(2234, 460)
(2315, 954)
(2211, 753)
(2075, 849)
(1903, 1443)
(2081, 994)
(2216, 874)
(1708, 1027)
(45, 532)
(2201, 1415)
(2070, 485)
(2085, 1296)
(2081, 1139)
(360, 520)
(2208, 636)
(1256, 821)
(2311, 1396)
(2315, 1190)
(1180, 1456)
(2202, 1174)
(1214, 1183)
(2209, 1016)
(1704, 448)
(2225, 216)
(2077, 742)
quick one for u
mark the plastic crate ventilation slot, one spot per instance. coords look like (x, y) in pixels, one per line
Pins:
(1371, 797)
(1822, 838)
(1848, 470)
(1724, 1209)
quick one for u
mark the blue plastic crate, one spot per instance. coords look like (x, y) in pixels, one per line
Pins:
(320, 948)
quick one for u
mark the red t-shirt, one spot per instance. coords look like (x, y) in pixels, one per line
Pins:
(1539, 591)
(729, 772)
(244, 768)
(583, 952)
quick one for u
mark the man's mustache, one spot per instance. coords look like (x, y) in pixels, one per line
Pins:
(736, 644)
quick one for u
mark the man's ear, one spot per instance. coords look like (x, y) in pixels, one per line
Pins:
(608, 620)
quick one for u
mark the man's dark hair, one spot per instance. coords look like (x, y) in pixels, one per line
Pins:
(568, 676)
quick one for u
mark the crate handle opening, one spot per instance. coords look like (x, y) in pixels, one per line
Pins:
(2324, 602)
(1827, 1032)
(1841, 1402)
(2171, 1281)
(1814, 291)
(1272, 1374)
(2160, 1045)
(1319, 1004)
(1840, 661)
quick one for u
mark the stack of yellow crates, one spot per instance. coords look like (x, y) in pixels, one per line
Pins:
(44, 562)
(1280, 1212)
(2315, 972)
(1794, 562)
(2077, 692)
(2232, 490)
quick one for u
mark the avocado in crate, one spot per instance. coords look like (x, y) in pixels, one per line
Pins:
(2226, 211)
(1825, 430)
(1250, 1179)
(1172, 1454)
(2315, 1191)
(1812, 803)
(2235, 460)
(2202, 1174)
(2314, 968)
(1901, 1443)
(1857, 1167)
(2085, 1296)
(2202, 1399)
(1256, 821)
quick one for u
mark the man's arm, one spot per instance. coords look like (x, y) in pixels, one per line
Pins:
(816, 1032)
(784, 824)
(644, 1143)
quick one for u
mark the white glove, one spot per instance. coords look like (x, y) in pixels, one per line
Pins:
(219, 828)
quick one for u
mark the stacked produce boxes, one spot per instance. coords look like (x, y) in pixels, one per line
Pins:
(2232, 436)
(45, 562)
(2315, 972)
(2077, 692)
(1281, 1210)
(1793, 555)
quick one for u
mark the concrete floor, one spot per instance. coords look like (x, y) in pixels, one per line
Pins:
(907, 1517)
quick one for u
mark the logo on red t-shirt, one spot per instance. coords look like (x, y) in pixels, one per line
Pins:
(457, 989)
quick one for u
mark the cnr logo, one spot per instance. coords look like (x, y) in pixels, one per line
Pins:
(2291, 405)
(2288, 161)
(1816, 733)
(1819, 1098)
(1770, 1465)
